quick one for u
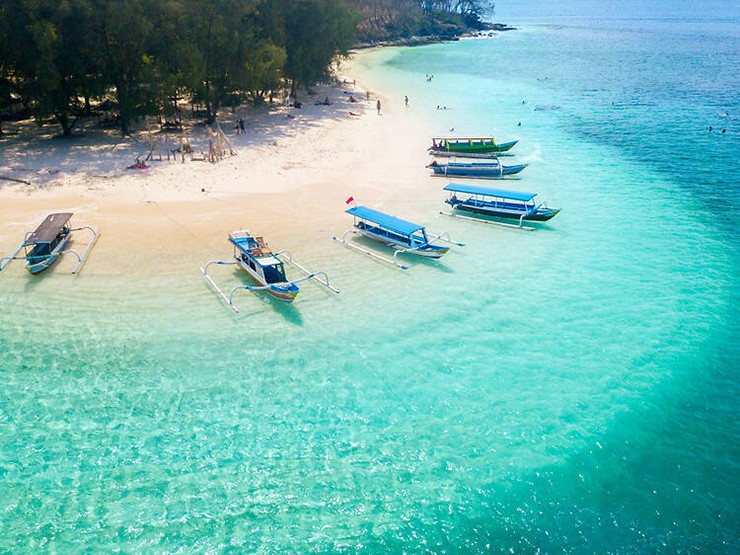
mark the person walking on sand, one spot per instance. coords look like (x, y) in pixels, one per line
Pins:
(406, 101)
(378, 107)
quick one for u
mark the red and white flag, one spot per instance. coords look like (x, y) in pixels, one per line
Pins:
(350, 199)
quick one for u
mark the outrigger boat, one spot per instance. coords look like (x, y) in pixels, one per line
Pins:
(469, 145)
(498, 203)
(266, 268)
(471, 155)
(47, 243)
(401, 235)
(476, 170)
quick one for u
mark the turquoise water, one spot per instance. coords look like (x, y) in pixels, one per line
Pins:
(570, 389)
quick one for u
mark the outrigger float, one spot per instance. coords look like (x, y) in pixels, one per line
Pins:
(47, 243)
(265, 267)
(400, 235)
(497, 203)
(470, 155)
(475, 170)
(465, 146)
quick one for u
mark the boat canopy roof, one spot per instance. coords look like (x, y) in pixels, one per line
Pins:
(49, 228)
(489, 192)
(270, 260)
(384, 220)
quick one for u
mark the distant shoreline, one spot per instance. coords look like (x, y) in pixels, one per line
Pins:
(437, 38)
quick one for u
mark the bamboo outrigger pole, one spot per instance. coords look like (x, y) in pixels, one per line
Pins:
(6, 178)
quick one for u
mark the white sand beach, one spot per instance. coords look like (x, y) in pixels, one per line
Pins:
(292, 171)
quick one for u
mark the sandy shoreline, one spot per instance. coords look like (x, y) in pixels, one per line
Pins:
(288, 180)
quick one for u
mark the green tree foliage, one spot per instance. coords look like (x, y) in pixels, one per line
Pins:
(7, 67)
(316, 31)
(388, 19)
(48, 51)
(61, 56)
(126, 38)
(262, 70)
(218, 35)
(393, 19)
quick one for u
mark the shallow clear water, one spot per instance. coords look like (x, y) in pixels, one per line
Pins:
(569, 389)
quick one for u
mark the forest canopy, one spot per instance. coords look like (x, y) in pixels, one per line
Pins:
(63, 59)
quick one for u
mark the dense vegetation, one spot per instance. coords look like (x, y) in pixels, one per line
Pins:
(397, 19)
(58, 58)
(62, 59)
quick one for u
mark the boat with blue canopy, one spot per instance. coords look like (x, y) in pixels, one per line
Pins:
(498, 203)
(48, 242)
(475, 170)
(267, 269)
(401, 235)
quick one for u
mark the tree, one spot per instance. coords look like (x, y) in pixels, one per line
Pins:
(47, 43)
(218, 35)
(262, 71)
(388, 19)
(61, 55)
(317, 31)
(7, 66)
(125, 31)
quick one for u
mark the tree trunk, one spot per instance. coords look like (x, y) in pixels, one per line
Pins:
(63, 120)
(294, 89)
(125, 122)
(124, 106)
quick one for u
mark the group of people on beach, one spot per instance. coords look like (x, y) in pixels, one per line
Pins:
(378, 105)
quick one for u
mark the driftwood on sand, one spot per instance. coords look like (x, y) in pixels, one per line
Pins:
(6, 178)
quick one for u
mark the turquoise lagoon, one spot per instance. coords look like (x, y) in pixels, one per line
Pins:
(571, 389)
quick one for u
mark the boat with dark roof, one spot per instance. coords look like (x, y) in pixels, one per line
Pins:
(47, 243)
(498, 203)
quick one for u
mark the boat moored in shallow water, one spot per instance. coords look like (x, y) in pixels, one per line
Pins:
(469, 145)
(267, 269)
(254, 257)
(498, 203)
(475, 170)
(401, 235)
(47, 243)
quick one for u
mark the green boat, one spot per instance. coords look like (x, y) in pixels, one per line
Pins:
(469, 145)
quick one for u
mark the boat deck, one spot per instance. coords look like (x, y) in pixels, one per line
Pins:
(386, 234)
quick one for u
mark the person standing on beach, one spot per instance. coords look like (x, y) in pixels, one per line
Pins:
(378, 107)
(406, 101)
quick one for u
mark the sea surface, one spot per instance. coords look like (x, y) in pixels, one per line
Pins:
(572, 389)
